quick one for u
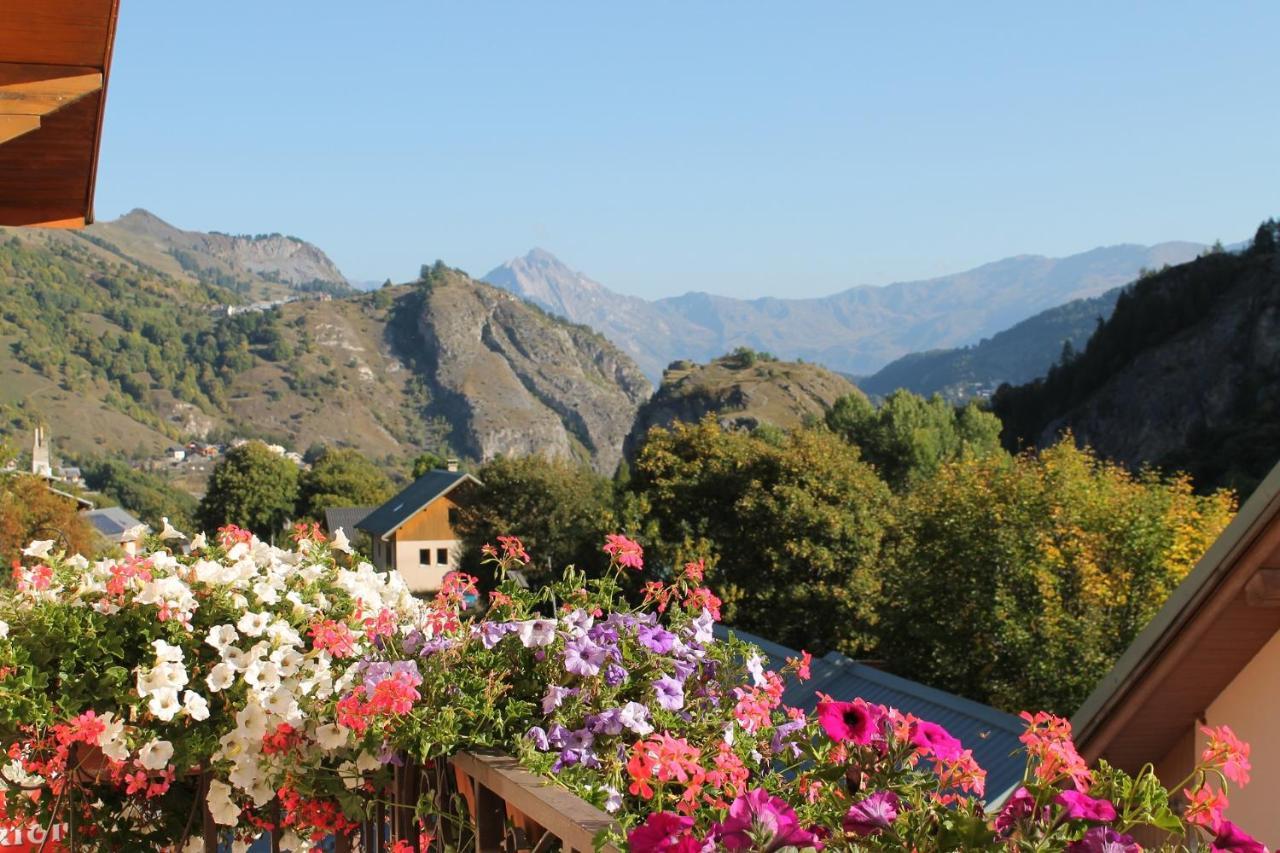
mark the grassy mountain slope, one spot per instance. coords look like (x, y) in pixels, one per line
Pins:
(116, 354)
(1018, 354)
(1185, 375)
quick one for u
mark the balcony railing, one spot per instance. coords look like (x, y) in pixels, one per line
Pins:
(507, 810)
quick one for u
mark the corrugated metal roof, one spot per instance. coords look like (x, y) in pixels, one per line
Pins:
(991, 734)
(422, 491)
(111, 521)
(347, 518)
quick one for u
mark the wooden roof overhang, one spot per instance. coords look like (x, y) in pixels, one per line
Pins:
(55, 56)
(1215, 622)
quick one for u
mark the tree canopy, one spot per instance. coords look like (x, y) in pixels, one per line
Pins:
(251, 487)
(340, 477)
(1019, 581)
(792, 523)
(30, 511)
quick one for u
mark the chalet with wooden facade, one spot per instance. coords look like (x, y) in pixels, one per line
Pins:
(413, 533)
(1210, 657)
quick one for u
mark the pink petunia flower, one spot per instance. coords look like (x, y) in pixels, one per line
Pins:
(760, 821)
(1229, 838)
(934, 740)
(853, 722)
(664, 831)
(1080, 806)
(872, 814)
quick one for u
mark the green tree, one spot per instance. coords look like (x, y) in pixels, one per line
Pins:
(426, 461)
(252, 487)
(340, 477)
(147, 495)
(560, 510)
(1018, 581)
(908, 437)
(793, 527)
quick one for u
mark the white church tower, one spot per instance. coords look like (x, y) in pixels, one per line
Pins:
(40, 462)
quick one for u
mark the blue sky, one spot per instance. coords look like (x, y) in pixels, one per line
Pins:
(741, 148)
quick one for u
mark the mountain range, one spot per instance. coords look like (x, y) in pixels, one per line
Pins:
(856, 331)
(132, 334)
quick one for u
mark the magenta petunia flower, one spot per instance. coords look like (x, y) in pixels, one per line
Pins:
(856, 722)
(663, 831)
(1018, 806)
(935, 740)
(1229, 838)
(872, 814)
(1084, 807)
(1104, 839)
(762, 822)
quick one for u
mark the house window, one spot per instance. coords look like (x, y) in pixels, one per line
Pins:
(453, 516)
(424, 556)
(442, 556)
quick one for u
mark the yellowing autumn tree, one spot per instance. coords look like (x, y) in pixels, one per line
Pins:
(1018, 581)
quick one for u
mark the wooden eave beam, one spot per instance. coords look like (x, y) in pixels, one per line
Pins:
(29, 92)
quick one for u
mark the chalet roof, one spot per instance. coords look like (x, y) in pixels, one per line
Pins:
(347, 518)
(55, 57)
(991, 734)
(111, 521)
(1219, 617)
(387, 518)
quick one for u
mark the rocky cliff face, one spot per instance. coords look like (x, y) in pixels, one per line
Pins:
(1222, 370)
(512, 380)
(744, 391)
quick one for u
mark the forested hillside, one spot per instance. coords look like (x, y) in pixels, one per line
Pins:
(1184, 375)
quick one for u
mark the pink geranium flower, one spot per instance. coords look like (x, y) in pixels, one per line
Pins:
(850, 722)
(626, 552)
(1228, 752)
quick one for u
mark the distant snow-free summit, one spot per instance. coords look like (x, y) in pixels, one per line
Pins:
(856, 331)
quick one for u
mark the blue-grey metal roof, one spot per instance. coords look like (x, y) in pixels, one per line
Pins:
(111, 521)
(434, 484)
(347, 518)
(991, 734)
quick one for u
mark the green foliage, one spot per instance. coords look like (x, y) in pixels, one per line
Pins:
(251, 487)
(908, 437)
(1019, 581)
(147, 495)
(78, 318)
(340, 477)
(426, 461)
(560, 510)
(794, 527)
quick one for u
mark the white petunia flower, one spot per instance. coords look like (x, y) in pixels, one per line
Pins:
(196, 706)
(111, 740)
(265, 592)
(169, 532)
(224, 810)
(38, 549)
(155, 755)
(367, 762)
(166, 652)
(4, 629)
(220, 677)
(253, 624)
(537, 632)
(164, 704)
(135, 534)
(349, 774)
(331, 736)
(199, 542)
(221, 637)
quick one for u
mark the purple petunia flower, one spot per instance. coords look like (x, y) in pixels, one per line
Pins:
(702, 628)
(583, 657)
(491, 633)
(656, 639)
(872, 814)
(782, 735)
(555, 696)
(670, 693)
(635, 717)
(536, 632)
(580, 739)
(1104, 839)
(608, 722)
(539, 738)
(615, 675)
(578, 622)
